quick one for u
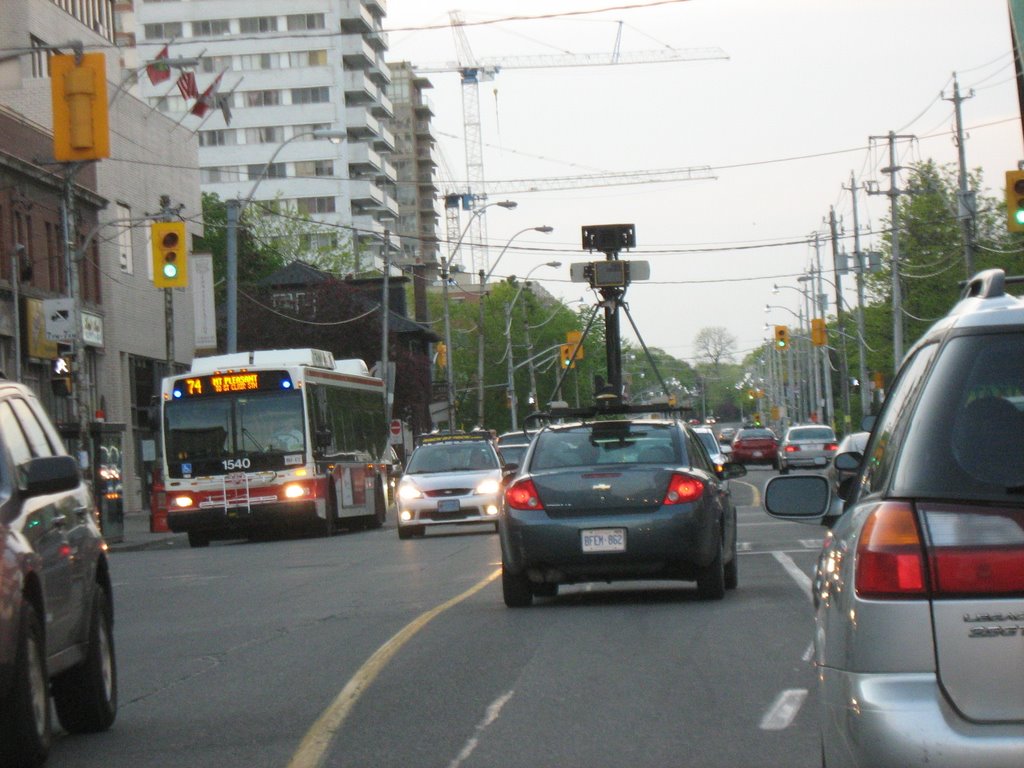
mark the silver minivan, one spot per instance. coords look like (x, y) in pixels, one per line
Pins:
(919, 590)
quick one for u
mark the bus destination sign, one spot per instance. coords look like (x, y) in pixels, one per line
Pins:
(217, 384)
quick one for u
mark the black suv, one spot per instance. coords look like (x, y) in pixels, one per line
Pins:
(56, 610)
(919, 591)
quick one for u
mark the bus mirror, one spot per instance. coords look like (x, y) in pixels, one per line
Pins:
(323, 438)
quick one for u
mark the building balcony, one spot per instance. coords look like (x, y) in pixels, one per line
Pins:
(357, 53)
(363, 159)
(385, 142)
(380, 73)
(360, 89)
(355, 17)
(383, 108)
(360, 124)
(366, 195)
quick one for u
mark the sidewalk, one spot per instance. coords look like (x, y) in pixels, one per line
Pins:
(137, 536)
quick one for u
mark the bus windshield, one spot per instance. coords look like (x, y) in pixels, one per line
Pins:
(250, 431)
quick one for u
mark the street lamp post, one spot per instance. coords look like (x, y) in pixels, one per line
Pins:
(445, 272)
(513, 404)
(480, 323)
(812, 356)
(234, 214)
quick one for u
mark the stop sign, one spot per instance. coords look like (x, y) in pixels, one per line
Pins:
(396, 427)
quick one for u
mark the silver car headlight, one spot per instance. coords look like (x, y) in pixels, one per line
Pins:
(488, 487)
(408, 492)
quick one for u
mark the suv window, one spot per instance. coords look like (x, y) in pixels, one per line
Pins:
(13, 436)
(33, 431)
(892, 424)
(966, 442)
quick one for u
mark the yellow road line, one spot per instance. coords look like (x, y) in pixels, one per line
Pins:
(753, 490)
(317, 741)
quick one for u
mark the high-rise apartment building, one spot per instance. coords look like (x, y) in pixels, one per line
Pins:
(267, 81)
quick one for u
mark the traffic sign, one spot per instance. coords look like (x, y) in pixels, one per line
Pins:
(396, 427)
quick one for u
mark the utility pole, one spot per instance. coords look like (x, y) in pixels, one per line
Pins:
(71, 266)
(844, 371)
(862, 372)
(385, 311)
(967, 208)
(897, 290)
(826, 366)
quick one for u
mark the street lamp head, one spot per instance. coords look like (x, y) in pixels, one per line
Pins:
(335, 135)
(553, 263)
(545, 229)
(775, 288)
(507, 204)
(767, 308)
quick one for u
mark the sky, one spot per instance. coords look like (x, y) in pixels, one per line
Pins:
(776, 130)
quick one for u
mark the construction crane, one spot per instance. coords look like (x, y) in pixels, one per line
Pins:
(473, 71)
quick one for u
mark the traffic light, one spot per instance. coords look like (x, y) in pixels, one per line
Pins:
(61, 373)
(170, 256)
(78, 92)
(573, 339)
(819, 333)
(565, 355)
(442, 355)
(1015, 201)
(781, 336)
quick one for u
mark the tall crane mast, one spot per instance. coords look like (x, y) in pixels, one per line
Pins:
(473, 71)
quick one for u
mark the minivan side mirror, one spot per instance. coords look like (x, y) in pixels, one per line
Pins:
(48, 474)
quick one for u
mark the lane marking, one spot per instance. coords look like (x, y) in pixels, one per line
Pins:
(801, 578)
(313, 748)
(784, 709)
(490, 716)
(753, 489)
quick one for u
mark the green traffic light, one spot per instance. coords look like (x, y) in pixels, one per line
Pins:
(170, 271)
(1019, 214)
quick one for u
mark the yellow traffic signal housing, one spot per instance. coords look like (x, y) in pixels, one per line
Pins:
(781, 336)
(819, 332)
(442, 355)
(1015, 201)
(565, 355)
(573, 339)
(170, 254)
(78, 91)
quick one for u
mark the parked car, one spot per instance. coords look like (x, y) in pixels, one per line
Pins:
(512, 446)
(919, 591)
(755, 445)
(707, 438)
(616, 500)
(451, 478)
(56, 606)
(855, 442)
(806, 446)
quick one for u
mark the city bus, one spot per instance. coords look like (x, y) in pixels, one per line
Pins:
(273, 440)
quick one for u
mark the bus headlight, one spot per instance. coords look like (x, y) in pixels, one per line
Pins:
(296, 491)
(183, 501)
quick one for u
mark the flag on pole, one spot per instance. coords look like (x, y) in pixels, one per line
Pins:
(158, 69)
(187, 85)
(224, 102)
(208, 99)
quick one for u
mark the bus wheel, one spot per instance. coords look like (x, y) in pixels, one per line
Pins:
(380, 510)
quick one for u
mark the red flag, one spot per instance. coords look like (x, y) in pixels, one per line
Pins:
(158, 70)
(187, 85)
(208, 100)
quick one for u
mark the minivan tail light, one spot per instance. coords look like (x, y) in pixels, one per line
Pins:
(976, 551)
(890, 554)
(523, 495)
(683, 489)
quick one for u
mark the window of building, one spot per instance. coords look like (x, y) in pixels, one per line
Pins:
(208, 27)
(319, 95)
(310, 168)
(305, 132)
(252, 24)
(310, 205)
(256, 61)
(267, 134)
(272, 171)
(218, 138)
(211, 64)
(164, 31)
(307, 59)
(124, 239)
(262, 98)
(301, 21)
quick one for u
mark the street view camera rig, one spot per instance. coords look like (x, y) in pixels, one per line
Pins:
(610, 278)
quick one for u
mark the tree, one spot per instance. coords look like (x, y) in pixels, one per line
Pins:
(715, 345)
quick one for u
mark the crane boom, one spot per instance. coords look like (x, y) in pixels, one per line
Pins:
(494, 64)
